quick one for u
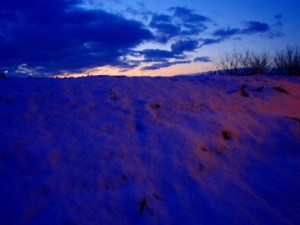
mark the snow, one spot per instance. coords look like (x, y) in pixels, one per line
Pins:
(177, 150)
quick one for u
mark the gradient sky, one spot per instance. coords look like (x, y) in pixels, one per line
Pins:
(132, 37)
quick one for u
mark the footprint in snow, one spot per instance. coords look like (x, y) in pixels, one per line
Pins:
(280, 89)
(114, 96)
(154, 106)
(260, 89)
(243, 91)
(143, 205)
(226, 135)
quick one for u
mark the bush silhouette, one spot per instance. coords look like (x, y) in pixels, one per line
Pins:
(285, 62)
(243, 63)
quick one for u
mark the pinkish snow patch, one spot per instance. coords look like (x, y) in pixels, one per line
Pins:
(180, 150)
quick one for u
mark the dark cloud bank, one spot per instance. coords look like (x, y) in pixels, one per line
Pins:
(57, 36)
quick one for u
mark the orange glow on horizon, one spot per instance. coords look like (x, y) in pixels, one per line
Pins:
(179, 69)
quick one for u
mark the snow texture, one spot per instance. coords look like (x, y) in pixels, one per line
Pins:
(179, 150)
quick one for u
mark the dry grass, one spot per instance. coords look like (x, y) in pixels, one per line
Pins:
(246, 62)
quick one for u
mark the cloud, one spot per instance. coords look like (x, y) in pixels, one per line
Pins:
(180, 28)
(249, 28)
(278, 25)
(177, 52)
(275, 34)
(188, 16)
(161, 58)
(190, 22)
(157, 54)
(203, 59)
(183, 46)
(141, 13)
(165, 30)
(58, 36)
(183, 23)
(253, 27)
(160, 19)
(226, 33)
(211, 41)
(157, 66)
(278, 16)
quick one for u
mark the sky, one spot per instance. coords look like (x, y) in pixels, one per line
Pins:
(138, 38)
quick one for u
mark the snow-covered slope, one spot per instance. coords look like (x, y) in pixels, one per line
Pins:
(180, 150)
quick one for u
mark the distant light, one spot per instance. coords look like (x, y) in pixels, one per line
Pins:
(6, 71)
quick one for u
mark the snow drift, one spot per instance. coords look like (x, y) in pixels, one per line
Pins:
(179, 150)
